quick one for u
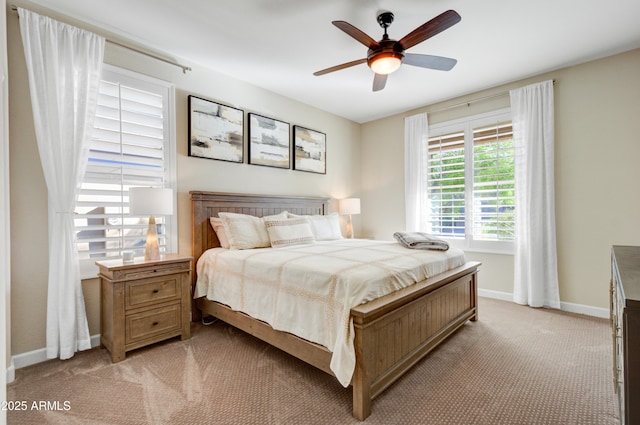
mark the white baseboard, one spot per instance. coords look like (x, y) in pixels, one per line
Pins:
(34, 357)
(568, 307)
(487, 293)
(585, 309)
(11, 373)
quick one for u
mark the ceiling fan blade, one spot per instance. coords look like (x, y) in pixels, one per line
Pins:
(428, 61)
(379, 81)
(341, 66)
(429, 29)
(356, 33)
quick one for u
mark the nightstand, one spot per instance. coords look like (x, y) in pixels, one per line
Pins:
(144, 302)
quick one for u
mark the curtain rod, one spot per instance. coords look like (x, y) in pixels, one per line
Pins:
(151, 55)
(469, 102)
(138, 50)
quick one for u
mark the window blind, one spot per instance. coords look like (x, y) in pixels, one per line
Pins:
(129, 147)
(470, 182)
(493, 183)
(446, 188)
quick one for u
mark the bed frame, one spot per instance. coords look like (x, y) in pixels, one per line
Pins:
(392, 333)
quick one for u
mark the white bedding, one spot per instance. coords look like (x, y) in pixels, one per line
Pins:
(309, 290)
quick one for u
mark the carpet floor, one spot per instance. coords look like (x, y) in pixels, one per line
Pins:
(516, 365)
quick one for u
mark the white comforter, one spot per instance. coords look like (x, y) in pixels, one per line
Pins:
(309, 290)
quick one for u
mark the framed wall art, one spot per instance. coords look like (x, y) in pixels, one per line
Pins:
(269, 142)
(310, 149)
(216, 131)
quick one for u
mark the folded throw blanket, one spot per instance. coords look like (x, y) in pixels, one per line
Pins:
(419, 240)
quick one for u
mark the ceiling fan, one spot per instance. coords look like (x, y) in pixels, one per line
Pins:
(386, 56)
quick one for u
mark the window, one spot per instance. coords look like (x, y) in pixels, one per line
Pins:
(470, 182)
(133, 144)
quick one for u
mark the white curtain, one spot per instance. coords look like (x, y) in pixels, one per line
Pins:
(64, 65)
(416, 132)
(536, 272)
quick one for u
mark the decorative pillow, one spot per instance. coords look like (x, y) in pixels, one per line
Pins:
(218, 227)
(324, 227)
(246, 231)
(289, 231)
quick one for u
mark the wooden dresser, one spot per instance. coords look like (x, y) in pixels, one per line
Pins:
(625, 322)
(144, 302)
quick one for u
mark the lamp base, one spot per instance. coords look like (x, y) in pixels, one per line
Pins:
(152, 250)
(350, 228)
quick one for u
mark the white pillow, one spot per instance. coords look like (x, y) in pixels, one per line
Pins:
(218, 227)
(289, 231)
(246, 231)
(324, 227)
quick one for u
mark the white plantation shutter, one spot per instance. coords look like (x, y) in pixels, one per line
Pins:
(493, 182)
(470, 182)
(132, 145)
(446, 187)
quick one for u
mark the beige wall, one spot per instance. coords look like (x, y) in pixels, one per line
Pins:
(597, 105)
(29, 196)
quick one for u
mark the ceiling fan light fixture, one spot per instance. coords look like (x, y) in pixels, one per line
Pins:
(387, 55)
(386, 63)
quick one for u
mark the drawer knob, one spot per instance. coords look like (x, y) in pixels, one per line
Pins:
(155, 291)
(154, 324)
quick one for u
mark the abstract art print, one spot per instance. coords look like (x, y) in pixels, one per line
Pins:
(215, 131)
(269, 142)
(310, 150)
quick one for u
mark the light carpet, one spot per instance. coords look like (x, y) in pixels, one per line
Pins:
(516, 365)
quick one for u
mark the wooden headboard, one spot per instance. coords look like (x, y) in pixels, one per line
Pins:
(208, 204)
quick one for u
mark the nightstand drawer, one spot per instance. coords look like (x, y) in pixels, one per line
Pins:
(147, 324)
(152, 291)
(156, 270)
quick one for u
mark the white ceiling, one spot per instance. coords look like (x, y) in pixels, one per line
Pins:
(278, 44)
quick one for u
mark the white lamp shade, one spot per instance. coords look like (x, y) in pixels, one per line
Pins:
(150, 201)
(350, 206)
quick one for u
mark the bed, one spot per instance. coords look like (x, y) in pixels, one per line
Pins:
(391, 333)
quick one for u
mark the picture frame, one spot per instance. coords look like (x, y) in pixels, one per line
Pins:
(269, 142)
(310, 147)
(216, 131)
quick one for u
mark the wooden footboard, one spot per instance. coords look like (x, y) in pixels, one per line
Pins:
(393, 333)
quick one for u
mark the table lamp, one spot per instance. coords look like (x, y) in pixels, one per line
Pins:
(151, 200)
(350, 206)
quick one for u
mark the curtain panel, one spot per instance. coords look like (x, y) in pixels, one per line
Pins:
(416, 133)
(64, 66)
(535, 261)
